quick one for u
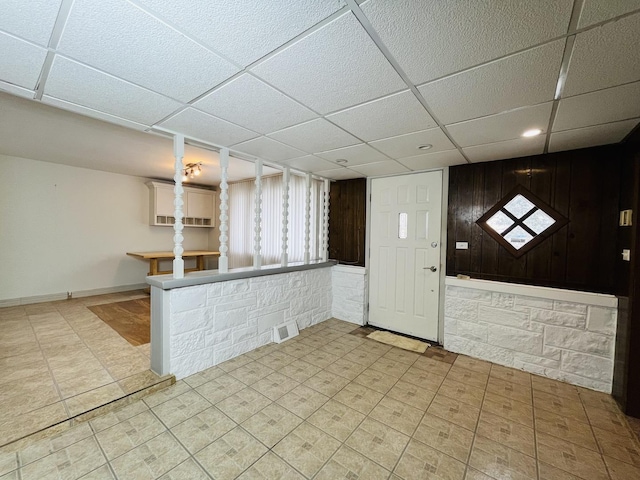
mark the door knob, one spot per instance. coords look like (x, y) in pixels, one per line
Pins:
(432, 268)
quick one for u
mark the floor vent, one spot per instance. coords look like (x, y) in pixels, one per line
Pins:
(285, 332)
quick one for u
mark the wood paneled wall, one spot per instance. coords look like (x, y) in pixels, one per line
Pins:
(583, 185)
(347, 220)
(626, 379)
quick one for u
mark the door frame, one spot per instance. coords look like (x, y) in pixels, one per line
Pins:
(443, 242)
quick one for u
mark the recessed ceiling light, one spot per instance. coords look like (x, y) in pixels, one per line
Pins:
(532, 133)
(425, 147)
(341, 160)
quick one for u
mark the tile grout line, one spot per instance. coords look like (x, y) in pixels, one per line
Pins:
(535, 430)
(600, 450)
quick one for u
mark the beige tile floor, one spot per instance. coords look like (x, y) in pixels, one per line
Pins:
(59, 360)
(331, 405)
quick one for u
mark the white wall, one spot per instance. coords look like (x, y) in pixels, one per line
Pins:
(67, 229)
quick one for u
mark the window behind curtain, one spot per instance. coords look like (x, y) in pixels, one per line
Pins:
(241, 220)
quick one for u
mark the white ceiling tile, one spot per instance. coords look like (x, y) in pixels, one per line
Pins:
(605, 57)
(594, 11)
(253, 104)
(85, 86)
(382, 168)
(121, 39)
(309, 163)
(500, 127)
(16, 90)
(93, 113)
(602, 106)
(433, 160)
(393, 115)
(355, 155)
(315, 136)
(527, 78)
(521, 147)
(20, 62)
(591, 136)
(268, 149)
(407, 145)
(434, 38)
(242, 169)
(335, 67)
(244, 30)
(201, 126)
(32, 20)
(339, 174)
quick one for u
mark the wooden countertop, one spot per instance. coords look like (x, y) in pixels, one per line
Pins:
(169, 254)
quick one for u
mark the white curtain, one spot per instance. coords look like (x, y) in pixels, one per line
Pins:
(241, 220)
(241, 205)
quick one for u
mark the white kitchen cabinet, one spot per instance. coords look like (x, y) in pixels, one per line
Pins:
(199, 206)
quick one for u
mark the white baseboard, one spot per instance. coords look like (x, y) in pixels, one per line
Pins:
(53, 297)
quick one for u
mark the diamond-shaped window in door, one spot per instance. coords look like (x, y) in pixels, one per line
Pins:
(520, 221)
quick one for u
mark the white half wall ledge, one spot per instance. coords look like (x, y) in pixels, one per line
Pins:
(561, 334)
(600, 299)
(167, 282)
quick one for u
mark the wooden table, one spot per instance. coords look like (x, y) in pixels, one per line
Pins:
(153, 258)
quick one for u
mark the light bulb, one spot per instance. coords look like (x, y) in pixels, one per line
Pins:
(532, 133)
(197, 172)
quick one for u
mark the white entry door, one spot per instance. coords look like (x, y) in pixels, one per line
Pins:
(405, 253)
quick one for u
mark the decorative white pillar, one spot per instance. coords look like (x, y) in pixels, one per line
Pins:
(307, 220)
(257, 218)
(325, 224)
(223, 261)
(286, 178)
(178, 262)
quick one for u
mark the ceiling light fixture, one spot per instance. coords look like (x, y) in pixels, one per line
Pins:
(425, 147)
(191, 170)
(532, 133)
(341, 160)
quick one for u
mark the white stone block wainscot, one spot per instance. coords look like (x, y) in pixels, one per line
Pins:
(206, 318)
(561, 334)
(349, 284)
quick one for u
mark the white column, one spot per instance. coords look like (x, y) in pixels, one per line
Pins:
(325, 224)
(257, 218)
(286, 177)
(307, 220)
(178, 262)
(223, 261)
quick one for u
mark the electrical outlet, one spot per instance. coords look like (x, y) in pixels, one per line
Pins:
(462, 245)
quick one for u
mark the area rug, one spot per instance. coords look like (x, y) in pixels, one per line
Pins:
(399, 341)
(131, 319)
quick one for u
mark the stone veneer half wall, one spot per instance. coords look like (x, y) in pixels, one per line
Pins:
(561, 334)
(214, 322)
(349, 291)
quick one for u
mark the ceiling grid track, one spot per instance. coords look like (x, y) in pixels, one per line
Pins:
(260, 68)
(364, 21)
(564, 68)
(54, 40)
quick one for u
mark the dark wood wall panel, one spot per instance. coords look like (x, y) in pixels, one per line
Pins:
(347, 217)
(583, 185)
(626, 379)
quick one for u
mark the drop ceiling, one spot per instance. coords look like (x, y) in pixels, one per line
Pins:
(314, 83)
